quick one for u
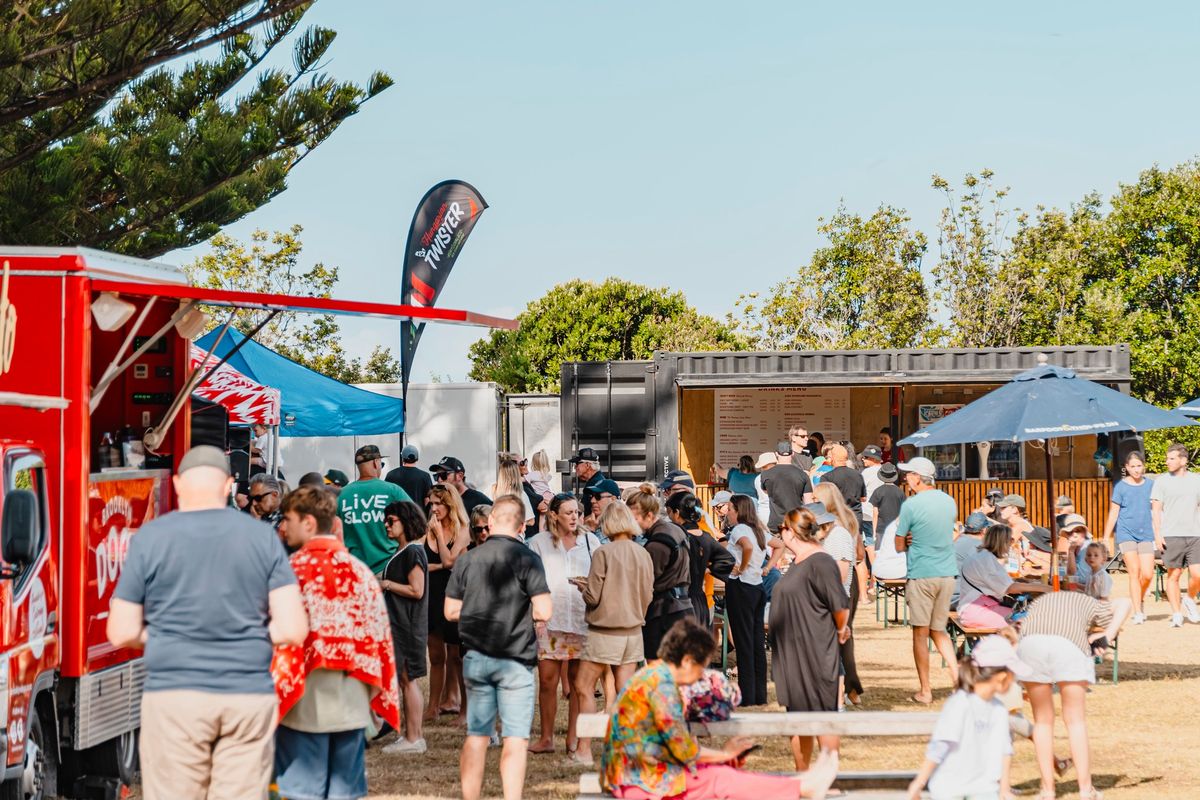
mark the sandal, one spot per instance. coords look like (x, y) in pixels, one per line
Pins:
(1091, 794)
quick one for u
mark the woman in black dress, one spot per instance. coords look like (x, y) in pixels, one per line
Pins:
(447, 538)
(809, 618)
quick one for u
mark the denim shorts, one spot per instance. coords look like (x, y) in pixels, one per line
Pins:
(498, 687)
(320, 766)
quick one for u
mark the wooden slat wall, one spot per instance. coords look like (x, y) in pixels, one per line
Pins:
(1091, 496)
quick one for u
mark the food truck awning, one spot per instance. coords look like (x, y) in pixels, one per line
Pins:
(312, 305)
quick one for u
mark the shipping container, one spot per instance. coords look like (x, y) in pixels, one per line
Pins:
(691, 410)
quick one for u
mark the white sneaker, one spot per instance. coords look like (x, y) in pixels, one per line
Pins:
(1189, 608)
(1176, 621)
(404, 746)
(1137, 619)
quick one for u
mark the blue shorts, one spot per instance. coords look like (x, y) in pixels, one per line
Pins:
(320, 766)
(868, 533)
(498, 687)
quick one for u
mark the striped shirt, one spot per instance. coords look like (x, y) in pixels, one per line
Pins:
(1071, 615)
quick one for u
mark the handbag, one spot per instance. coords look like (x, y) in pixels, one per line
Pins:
(712, 698)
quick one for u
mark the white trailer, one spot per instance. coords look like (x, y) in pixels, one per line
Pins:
(533, 423)
(464, 420)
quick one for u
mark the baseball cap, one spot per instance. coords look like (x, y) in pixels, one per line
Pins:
(585, 454)
(677, 477)
(368, 452)
(995, 651)
(1072, 521)
(920, 465)
(409, 453)
(766, 459)
(448, 464)
(336, 477)
(888, 473)
(821, 513)
(1014, 500)
(1063, 501)
(606, 486)
(872, 452)
(784, 448)
(995, 491)
(205, 455)
(721, 497)
(977, 521)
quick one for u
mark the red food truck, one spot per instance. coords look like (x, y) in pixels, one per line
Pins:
(94, 417)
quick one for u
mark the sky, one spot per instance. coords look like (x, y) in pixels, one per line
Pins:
(695, 145)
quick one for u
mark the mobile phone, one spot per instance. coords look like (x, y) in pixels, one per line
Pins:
(748, 751)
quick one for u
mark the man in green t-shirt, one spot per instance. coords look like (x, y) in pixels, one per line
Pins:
(361, 506)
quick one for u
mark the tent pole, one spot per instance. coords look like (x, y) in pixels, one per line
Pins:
(275, 450)
(1050, 515)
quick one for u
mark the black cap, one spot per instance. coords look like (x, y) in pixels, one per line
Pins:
(448, 464)
(677, 477)
(368, 452)
(585, 454)
(784, 448)
(337, 477)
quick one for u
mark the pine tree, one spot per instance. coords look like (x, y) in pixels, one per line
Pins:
(105, 142)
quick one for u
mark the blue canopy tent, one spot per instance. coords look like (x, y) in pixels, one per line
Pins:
(1043, 403)
(311, 403)
(1190, 408)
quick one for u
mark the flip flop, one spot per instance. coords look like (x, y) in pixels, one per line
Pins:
(919, 701)
(452, 710)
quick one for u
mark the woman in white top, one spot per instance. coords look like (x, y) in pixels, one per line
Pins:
(566, 553)
(509, 481)
(840, 540)
(745, 600)
(888, 564)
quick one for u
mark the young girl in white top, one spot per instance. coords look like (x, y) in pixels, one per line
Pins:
(970, 751)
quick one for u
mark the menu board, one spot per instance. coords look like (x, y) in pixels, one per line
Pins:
(748, 422)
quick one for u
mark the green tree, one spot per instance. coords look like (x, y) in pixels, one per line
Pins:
(104, 143)
(272, 265)
(863, 290)
(585, 321)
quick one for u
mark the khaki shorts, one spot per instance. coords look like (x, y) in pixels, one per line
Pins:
(1130, 546)
(207, 746)
(929, 602)
(613, 649)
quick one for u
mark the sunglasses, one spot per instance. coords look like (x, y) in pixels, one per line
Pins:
(522, 462)
(254, 498)
(389, 521)
(480, 528)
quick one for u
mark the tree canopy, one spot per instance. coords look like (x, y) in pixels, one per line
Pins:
(585, 321)
(105, 143)
(271, 264)
(863, 290)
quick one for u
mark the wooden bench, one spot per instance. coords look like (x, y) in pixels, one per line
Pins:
(969, 636)
(589, 787)
(893, 589)
(794, 723)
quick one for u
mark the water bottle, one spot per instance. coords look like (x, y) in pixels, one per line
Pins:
(1062, 572)
(1014, 564)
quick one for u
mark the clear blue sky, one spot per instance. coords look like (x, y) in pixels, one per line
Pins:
(694, 145)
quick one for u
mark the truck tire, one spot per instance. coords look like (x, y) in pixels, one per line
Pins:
(41, 767)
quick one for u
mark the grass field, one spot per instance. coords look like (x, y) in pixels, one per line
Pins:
(1144, 731)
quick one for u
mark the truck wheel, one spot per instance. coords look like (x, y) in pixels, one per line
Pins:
(127, 757)
(40, 767)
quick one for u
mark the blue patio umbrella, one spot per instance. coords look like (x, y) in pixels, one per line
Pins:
(1046, 402)
(1191, 408)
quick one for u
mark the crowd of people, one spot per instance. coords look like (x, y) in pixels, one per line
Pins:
(325, 618)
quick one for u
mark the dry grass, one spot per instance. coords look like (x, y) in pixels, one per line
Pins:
(1143, 731)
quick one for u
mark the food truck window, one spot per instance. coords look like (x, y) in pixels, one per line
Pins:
(26, 470)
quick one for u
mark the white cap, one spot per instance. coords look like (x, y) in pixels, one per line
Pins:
(922, 466)
(766, 459)
(996, 651)
(721, 497)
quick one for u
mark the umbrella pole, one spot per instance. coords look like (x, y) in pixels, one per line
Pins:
(1050, 515)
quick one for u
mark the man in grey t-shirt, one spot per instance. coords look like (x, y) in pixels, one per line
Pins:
(1175, 513)
(208, 592)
